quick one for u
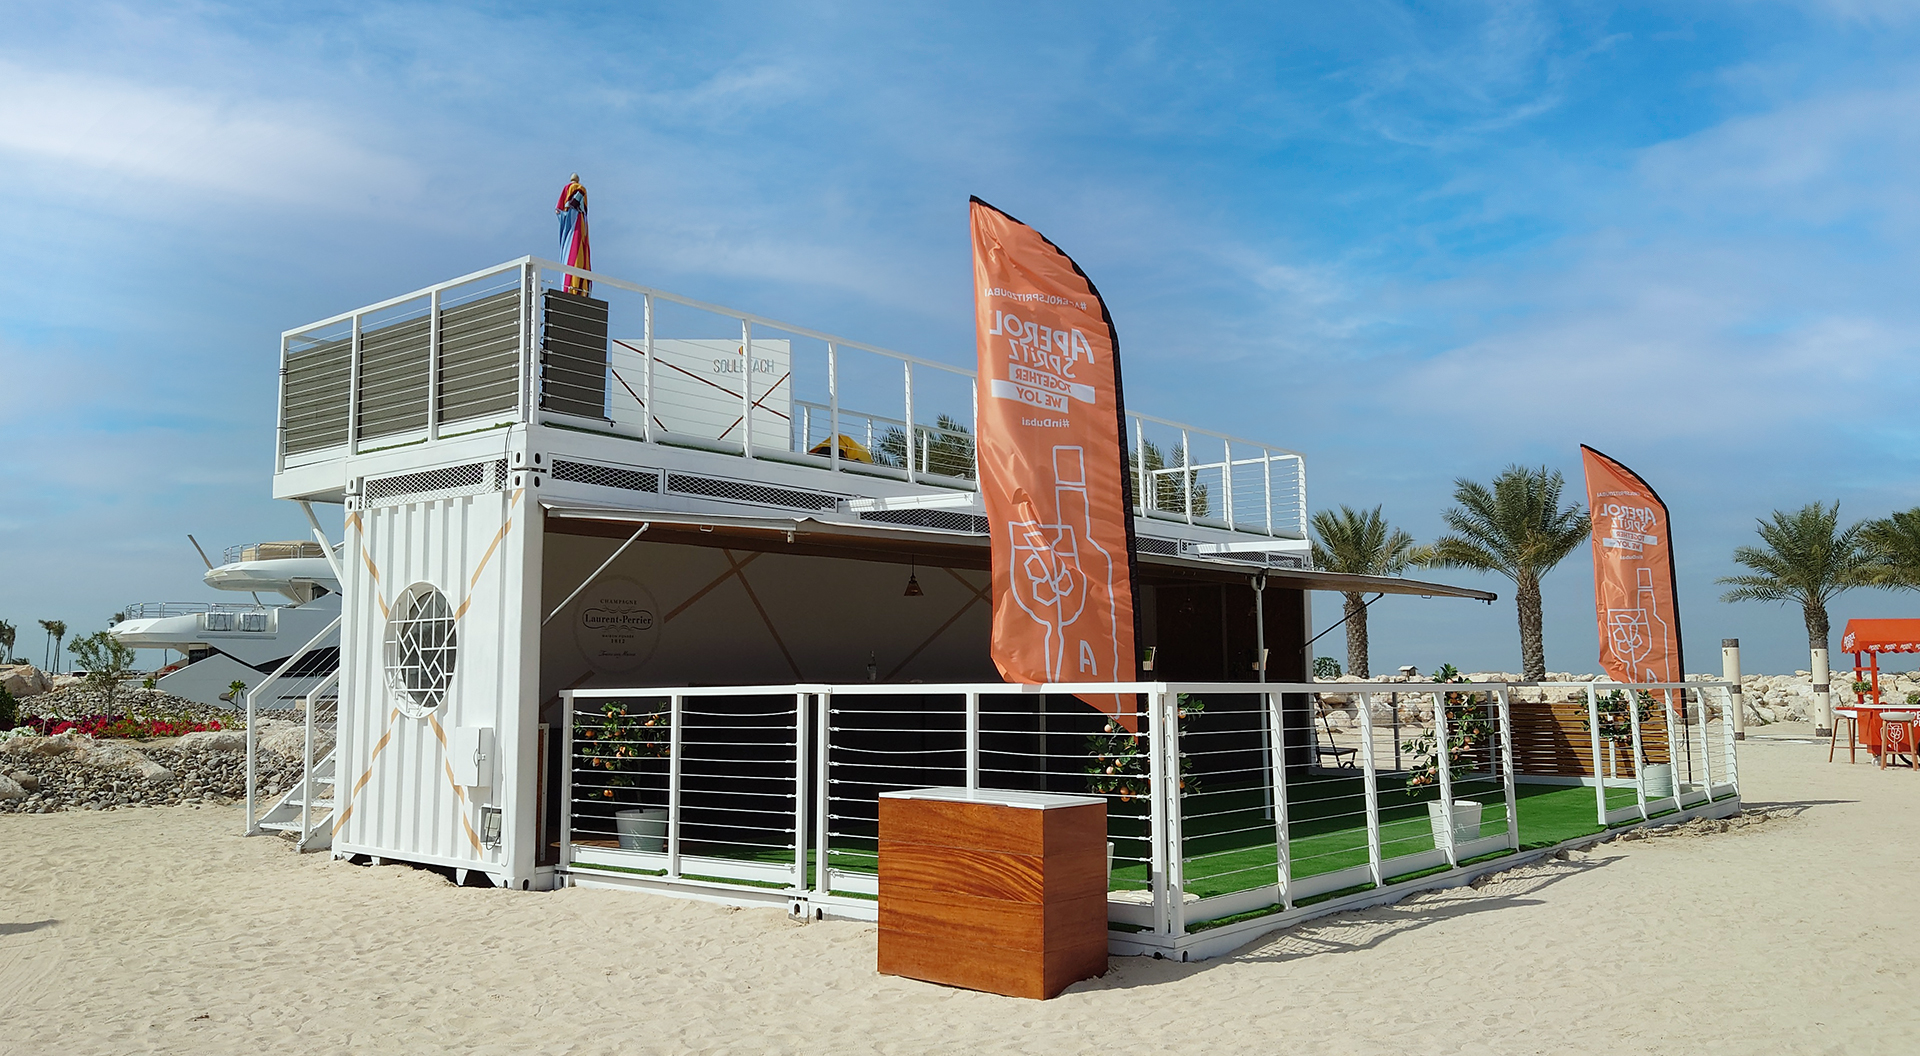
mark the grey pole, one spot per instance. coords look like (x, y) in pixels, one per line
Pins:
(1730, 670)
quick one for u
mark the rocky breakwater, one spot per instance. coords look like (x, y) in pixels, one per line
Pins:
(70, 771)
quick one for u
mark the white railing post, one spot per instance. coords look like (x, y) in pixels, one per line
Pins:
(253, 749)
(907, 366)
(567, 797)
(746, 386)
(973, 391)
(1186, 473)
(833, 407)
(280, 413)
(646, 378)
(1673, 749)
(676, 743)
(1639, 751)
(1157, 813)
(1266, 473)
(1503, 698)
(433, 364)
(353, 389)
(1300, 474)
(1371, 782)
(1277, 763)
(1176, 828)
(1732, 735)
(973, 739)
(1226, 480)
(822, 875)
(529, 283)
(1706, 746)
(1444, 747)
(1599, 776)
(800, 811)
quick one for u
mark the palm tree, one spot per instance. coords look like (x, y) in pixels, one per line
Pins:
(1893, 544)
(1360, 543)
(56, 633)
(1518, 529)
(1806, 560)
(7, 634)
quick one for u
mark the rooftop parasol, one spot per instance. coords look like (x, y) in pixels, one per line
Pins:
(574, 248)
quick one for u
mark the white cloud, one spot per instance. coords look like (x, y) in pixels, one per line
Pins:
(91, 125)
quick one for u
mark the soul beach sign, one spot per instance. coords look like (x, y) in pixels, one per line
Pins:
(1054, 480)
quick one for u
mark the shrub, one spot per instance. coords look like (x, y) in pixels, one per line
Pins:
(9, 710)
(1326, 667)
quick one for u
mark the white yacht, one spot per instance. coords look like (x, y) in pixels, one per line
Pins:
(228, 643)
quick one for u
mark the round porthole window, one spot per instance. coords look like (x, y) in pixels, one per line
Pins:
(420, 650)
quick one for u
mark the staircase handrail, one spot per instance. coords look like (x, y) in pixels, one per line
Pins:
(253, 734)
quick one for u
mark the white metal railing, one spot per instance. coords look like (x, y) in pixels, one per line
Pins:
(151, 609)
(1216, 806)
(690, 373)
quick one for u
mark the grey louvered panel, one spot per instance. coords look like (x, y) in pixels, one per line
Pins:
(573, 355)
(480, 357)
(314, 387)
(393, 378)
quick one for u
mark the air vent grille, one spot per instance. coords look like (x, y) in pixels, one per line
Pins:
(450, 481)
(606, 476)
(758, 494)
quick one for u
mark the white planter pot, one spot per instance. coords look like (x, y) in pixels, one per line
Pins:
(1466, 821)
(1659, 778)
(642, 830)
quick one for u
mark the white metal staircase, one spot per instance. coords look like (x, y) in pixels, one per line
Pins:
(306, 811)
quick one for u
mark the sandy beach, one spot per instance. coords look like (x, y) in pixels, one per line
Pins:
(160, 930)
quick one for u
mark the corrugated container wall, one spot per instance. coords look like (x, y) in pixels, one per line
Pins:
(410, 787)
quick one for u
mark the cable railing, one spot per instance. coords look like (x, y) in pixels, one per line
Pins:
(1221, 805)
(509, 345)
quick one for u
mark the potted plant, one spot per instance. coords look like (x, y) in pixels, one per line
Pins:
(1117, 763)
(1616, 729)
(617, 744)
(1468, 734)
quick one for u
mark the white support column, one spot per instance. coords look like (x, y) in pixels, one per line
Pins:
(1730, 670)
(1599, 775)
(973, 739)
(800, 811)
(1157, 812)
(1371, 782)
(1444, 749)
(676, 743)
(1277, 763)
(1503, 699)
(1148, 486)
(1822, 691)
(1706, 753)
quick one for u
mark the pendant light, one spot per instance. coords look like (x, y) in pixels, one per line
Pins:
(913, 580)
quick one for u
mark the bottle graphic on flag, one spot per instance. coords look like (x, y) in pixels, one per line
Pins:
(1052, 575)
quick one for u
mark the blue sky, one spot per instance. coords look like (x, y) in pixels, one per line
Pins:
(1415, 242)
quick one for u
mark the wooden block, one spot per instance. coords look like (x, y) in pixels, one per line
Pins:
(1032, 927)
(993, 874)
(954, 961)
(937, 823)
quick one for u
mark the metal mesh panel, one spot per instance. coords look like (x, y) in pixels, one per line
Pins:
(479, 357)
(940, 520)
(439, 483)
(1148, 544)
(315, 392)
(606, 476)
(759, 494)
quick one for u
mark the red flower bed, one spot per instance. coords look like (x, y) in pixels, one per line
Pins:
(120, 726)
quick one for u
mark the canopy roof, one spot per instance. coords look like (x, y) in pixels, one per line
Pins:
(1881, 636)
(873, 541)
